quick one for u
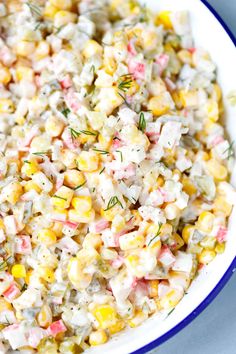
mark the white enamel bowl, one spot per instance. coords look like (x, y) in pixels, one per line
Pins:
(209, 32)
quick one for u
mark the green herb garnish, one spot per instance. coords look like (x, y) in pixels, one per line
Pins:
(57, 196)
(102, 171)
(125, 82)
(74, 133)
(34, 9)
(112, 202)
(169, 313)
(88, 132)
(65, 112)
(40, 153)
(230, 151)
(142, 122)
(79, 186)
(102, 152)
(24, 287)
(92, 69)
(125, 101)
(121, 155)
(27, 161)
(157, 234)
(3, 264)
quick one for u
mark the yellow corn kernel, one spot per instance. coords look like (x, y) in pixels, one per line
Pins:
(47, 237)
(131, 240)
(92, 48)
(58, 226)
(132, 261)
(153, 288)
(29, 273)
(62, 198)
(212, 109)
(24, 73)
(29, 168)
(62, 4)
(206, 256)
(85, 138)
(6, 105)
(208, 242)
(205, 221)
(217, 94)
(137, 217)
(185, 56)
(74, 178)
(110, 214)
(30, 185)
(109, 100)
(5, 75)
(187, 232)
(220, 205)
(163, 18)
(83, 217)
(77, 277)
(92, 240)
(159, 105)
(4, 305)
(217, 170)
(63, 17)
(49, 11)
(110, 65)
(179, 242)
(46, 273)
(220, 248)
(25, 48)
(2, 226)
(44, 317)
(68, 158)
(54, 126)
(116, 327)
(82, 203)
(98, 337)
(18, 271)
(188, 186)
(139, 318)
(88, 161)
(188, 98)
(171, 299)
(20, 120)
(118, 223)
(105, 315)
(96, 119)
(42, 50)
(13, 191)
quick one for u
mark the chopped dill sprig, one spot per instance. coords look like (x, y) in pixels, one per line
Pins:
(112, 202)
(88, 132)
(125, 82)
(230, 151)
(121, 155)
(79, 186)
(157, 234)
(102, 152)
(34, 9)
(142, 122)
(65, 112)
(57, 196)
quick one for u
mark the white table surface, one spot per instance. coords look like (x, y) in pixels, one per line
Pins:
(214, 330)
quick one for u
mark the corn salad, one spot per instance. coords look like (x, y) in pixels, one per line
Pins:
(114, 169)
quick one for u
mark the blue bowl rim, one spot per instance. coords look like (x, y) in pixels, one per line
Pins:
(227, 275)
